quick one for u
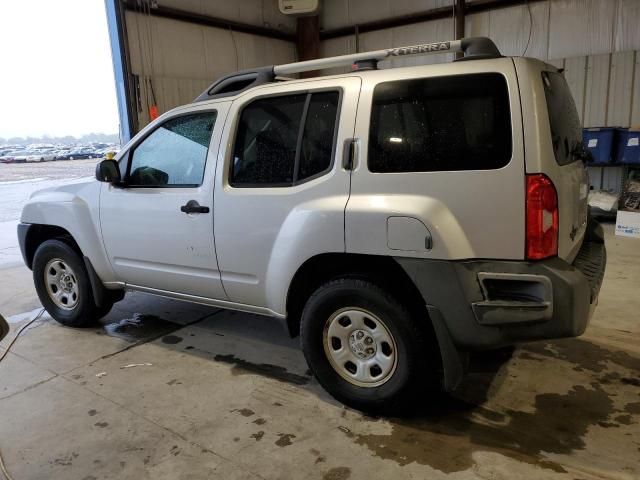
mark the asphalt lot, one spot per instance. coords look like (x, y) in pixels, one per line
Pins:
(18, 181)
(169, 390)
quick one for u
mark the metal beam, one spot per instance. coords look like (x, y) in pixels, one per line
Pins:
(470, 6)
(459, 30)
(121, 62)
(190, 17)
(308, 44)
(477, 6)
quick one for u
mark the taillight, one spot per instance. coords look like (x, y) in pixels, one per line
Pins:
(542, 218)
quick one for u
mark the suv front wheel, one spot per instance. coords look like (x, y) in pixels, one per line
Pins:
(364, 347)
(63, 285)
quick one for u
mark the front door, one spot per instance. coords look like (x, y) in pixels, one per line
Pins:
(158, 227)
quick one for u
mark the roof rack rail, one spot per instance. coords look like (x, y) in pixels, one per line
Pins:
(474, 48)
(236, 82)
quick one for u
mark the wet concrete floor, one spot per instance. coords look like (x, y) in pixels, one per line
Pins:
(163, 389)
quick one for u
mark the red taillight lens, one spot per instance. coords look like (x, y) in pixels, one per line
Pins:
(542, 218)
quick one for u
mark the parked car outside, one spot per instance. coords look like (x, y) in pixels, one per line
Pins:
(62, 155)
(82, 154)
(34, 158)
(21, 157)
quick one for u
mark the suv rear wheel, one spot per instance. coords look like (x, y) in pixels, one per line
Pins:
(63, 285)
(364, 346)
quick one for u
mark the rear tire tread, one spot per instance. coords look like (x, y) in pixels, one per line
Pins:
(415, 375)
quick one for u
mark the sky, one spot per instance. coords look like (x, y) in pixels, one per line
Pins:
(56, 75)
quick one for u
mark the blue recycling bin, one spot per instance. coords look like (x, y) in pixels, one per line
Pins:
(599, 141)
(627, 146)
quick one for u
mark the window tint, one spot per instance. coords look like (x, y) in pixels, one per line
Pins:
(459, 122)
(174, 154)
(265, 148)
(566, 130)
(317, 140)
(278, 145)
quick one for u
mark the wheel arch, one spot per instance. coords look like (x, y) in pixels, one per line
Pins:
(386, 272)
(35, 235)
(380, 269)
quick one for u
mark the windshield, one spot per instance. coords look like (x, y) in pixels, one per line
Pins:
(566, 129)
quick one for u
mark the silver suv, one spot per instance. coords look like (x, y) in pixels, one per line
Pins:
(397, 219)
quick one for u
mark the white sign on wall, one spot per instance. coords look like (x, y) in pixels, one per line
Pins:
(628, 224)
(628, 217)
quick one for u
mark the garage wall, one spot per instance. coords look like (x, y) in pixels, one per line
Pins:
(597, 42)
(559, 28)
(180, 60)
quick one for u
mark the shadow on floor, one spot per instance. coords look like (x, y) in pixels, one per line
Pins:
(459, 424)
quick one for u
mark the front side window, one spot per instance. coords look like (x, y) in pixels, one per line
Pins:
(284, 140)
(451, 123)
(175, 154)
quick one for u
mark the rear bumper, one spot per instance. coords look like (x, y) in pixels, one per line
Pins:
(487, 304)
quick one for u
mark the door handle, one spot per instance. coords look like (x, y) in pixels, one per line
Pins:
(350, 153)
(193, 207)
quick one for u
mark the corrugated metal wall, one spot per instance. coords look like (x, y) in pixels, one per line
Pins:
(559, 28)
(181, 59)
(597, 42)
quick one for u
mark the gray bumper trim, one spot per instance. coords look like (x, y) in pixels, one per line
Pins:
(476, 322)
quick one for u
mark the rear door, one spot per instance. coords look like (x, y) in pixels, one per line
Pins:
(281, 189)
(440, 170)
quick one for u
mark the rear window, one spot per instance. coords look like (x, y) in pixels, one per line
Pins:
(566, 130)
(460, 122)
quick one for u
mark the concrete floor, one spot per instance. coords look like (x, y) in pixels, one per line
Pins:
(228, 395)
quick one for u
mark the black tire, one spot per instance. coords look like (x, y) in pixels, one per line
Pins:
(414, 371)
(85, 312)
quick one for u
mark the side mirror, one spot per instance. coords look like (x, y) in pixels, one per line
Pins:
(108, 171)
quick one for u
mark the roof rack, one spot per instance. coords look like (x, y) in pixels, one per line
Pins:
(474, 48)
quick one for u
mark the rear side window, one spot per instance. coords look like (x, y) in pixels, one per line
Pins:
(460, 122)
(282, 141)
(566, 130)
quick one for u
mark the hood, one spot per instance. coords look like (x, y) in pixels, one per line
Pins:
(67, 191)
(61, 204)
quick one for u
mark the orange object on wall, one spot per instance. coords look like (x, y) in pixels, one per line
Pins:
(153, 112)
